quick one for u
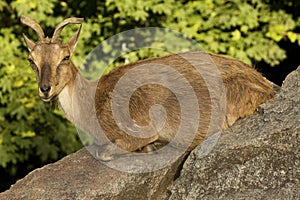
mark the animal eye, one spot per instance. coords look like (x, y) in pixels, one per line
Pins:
(31, 62)
(33, 65)
(66, 58)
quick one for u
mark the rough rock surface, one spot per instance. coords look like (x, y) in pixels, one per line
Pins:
(80, 176)
(258, 158)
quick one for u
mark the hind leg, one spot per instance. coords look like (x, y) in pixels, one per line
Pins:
(152, 147)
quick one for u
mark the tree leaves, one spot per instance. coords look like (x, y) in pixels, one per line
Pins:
(232, 24)
(248, 30)
(23, 117)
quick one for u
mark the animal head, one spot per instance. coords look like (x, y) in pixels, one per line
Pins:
(50, 58)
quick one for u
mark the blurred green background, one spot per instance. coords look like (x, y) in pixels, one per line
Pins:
(263, 33)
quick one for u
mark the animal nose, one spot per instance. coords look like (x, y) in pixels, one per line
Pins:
(45, 89)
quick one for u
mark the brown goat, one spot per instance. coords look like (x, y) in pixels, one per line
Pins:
(90, 104)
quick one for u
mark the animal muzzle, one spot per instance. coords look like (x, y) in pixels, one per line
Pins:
(44, 92)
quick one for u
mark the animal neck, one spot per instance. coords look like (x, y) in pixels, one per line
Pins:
(76, 100)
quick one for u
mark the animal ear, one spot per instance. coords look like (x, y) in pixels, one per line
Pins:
(30, 44)
(73, 41)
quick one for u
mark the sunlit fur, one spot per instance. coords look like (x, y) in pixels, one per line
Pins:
(245, 90)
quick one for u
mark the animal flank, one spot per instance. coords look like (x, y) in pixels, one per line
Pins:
(152, 106)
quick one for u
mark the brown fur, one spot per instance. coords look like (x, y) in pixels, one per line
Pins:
(245, 89)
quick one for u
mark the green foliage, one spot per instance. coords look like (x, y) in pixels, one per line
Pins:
(28, 128)
(248, 30)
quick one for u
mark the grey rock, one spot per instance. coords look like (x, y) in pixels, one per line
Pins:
(257, 158)
(81, 176)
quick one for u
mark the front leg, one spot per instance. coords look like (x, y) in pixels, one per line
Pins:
(121, 147)
(108, 152)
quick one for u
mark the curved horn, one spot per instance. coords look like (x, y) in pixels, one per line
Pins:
(34, 25)
(61, 25)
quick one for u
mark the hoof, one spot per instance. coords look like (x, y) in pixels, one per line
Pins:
(104, 156)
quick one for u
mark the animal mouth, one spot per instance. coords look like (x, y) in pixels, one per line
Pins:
(48, 99)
